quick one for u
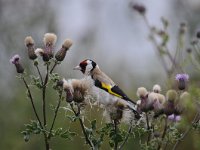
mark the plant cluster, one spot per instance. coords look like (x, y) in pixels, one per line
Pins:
(163, 116)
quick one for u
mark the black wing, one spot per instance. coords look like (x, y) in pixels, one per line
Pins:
(114, 90)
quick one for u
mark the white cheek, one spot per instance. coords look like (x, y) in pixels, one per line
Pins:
(88, 68)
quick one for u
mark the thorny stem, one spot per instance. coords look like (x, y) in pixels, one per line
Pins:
(44, 95)
(55, 64)
(44, 105)
(55, 115)
(115, 128)
(32, 103)
(156, 45)
(36, 114)
(195, 120)
(147, 120)
(77, 114)
(127, 136)
(159, 50)
(163, 135)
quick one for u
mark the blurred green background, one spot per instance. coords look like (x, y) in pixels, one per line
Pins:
(109, 32)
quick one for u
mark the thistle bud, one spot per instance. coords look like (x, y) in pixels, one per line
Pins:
(16, 61)
(181, 103)
(182, 80)
(49, 42)
(60, 55)
(29, 43)
(171, 97)
(139, 8)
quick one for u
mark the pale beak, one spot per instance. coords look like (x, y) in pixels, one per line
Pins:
(77, 68)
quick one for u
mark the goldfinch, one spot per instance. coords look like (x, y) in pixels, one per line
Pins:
(103, 82)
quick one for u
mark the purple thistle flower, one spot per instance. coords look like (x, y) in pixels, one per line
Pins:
(15, 59)
(182, 79)
(174, 118)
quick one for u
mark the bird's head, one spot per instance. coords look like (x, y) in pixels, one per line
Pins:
(86, 66)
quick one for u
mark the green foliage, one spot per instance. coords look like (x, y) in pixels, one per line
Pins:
(31, 128)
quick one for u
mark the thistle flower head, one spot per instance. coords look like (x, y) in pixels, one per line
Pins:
(142, 92)
(29, 41)
(60, 55)
(39, 51)
(139, 8)
(184, 77)
(156, 88)
(42, 53)
(174, 118)
(49, 39)
(67, 87)
(158, 105)
(169, 105)
(67, 44)
(182, 80)
(182, 103)
(15, 59)
(171, 95)
(76, 89)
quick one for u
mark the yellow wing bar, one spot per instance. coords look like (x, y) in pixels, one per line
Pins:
(109, 89)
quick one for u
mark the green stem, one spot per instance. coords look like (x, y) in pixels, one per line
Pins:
(36, 114)
(77, 114)
(55, 115)
(127, 136)
(55, 64)
(44, 95)
(39, 73)
(164, 133)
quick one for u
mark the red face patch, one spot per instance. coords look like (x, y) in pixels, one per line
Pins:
(83, 65)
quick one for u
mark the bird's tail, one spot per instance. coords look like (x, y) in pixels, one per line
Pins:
(132, 106)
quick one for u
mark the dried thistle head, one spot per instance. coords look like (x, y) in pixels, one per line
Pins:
(142, 92)
(67, 44)
(29, 43)
(60, 55)
(49, 42)
(156, 88)
(49, 39)
(77, 89)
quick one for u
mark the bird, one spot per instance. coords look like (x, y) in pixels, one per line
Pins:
(103, 82)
